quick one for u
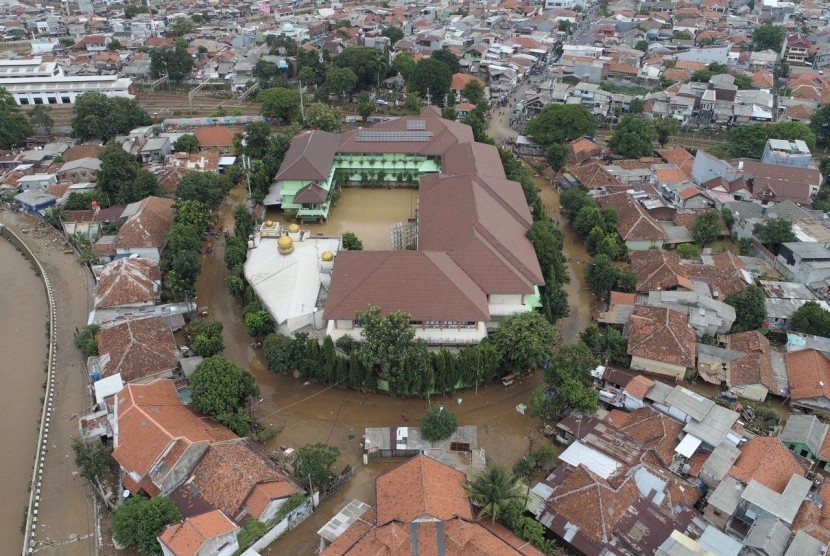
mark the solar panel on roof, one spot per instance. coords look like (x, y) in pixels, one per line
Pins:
(394, 136)
(416, 124)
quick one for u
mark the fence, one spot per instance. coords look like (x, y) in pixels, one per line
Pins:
(294, 518)
(393, 453)
(341, 481)
(46, 412)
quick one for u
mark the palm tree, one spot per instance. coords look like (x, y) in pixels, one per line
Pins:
(494, 490)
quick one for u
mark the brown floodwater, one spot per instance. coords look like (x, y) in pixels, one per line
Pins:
(23, 352)
(368, 213)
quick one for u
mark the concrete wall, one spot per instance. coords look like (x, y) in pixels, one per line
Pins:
(643, 245)
(756, 392)
(294, 518)
(657, 367)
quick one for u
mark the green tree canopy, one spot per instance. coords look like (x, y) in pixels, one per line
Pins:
(182, 26)
(323, 117)
(403, 64)
(40, 116)
(431, 76)
(14, 126)
(573, 200)
(93, 459)
(121, 179)
(743, 81)
(205, 187)
(315, 461)
(451, 60)
(340, 81)
(768, 36)
(365, 106)
(810, 318)
(569, 373)
(637, 106)
(555, 155)
(174, 62)
(394, 34)
(438, 424)
(413, 103)
(280, 103)
(632, 138)
(688, 251)
(351, 242)
(473, 91)
(748, 141)
(97, 116)
(207, 340)
(139, 521)
(370, 65)
(602, 277)
(665, 127)
(494, 491)
(707, 228)
(523, 340)
(774, 232)
(750, 308)
(187, 143)
(559, 123)
(387, 339)
(221, 388)
(820, 123)
(641, 45)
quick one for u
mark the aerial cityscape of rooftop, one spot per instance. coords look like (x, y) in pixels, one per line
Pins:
(510, 277)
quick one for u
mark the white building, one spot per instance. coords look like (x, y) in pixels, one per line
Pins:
(37, 82)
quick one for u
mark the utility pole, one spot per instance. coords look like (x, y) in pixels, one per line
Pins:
(311, 492)
(302, 106)
(429, 98)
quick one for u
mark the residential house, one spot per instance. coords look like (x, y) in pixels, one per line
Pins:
(813, 519)
(751, 376)
(581, 150)
(804, 262)
(637, 228)
(36, 182)
(797, 50)
(81, 170)
(216, 137)
(787, 153)
(141, 350)
(660, 341)
(774, 182)
(808, 437)
(709, 317)
(156, 149)
(144, 233)
(128, 282)
(658, 270)
(35, 202)
(421, 507)
(808, 371)
(208, 534)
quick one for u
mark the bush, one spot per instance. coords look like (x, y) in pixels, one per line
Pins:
(352, 242)
(250, 532)
(438, 424)
(139, 521)
(85, 340)
(688, 251)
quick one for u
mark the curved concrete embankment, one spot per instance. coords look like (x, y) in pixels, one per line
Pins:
(46, 411)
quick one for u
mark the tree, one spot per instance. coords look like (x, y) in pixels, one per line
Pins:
(774, 232)
(559, 123)
(573, 200)
(85, 340)
(810, 318)
(368, 64)
(632, 138)
(220, 388)
(688, 251)
(351, 242)
(387, 339)
(494, 491)
(702, 76)
(768, 37)
(266, 73)
(257, 139)
(394, 34)
(14, 126)
(413, 103)
(707, 227)
(205, 187)
(280, 103)
(438, 424)
(186, 143)
(473, 91)
(40, 116)
(139, 521)
(641, 45)
(365, 106)
(182, 26)
(258, 323)
(636, 106)
(97, 116)
(243, 221)
(750, 308)
(569, 373)
(315, 461)
(431, 76)
(820, 123)
(93, 459)
(339, 81)
(122, 179)
(523, 340)
(208, 337)
(602, 276)
(564, 26)
(323, 117)
(743, 81)
(174, 62)
(447, 57)
(665, 126)
(555, 155)
(183, 270)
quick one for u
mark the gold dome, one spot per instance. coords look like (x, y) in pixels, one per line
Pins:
(328, 256)
(285, 245)
(293, 228)
(269, 223)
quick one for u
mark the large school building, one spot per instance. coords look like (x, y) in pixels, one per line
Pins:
(34, 81)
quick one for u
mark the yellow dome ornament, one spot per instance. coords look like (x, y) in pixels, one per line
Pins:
(293, 228)
(328, 256)
(285, 245)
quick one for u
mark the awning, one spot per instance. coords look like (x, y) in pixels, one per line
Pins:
(688, 445)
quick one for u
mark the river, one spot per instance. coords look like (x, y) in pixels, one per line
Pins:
(23, 352)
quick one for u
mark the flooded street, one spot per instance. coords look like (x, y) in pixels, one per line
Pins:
(23, 352)
(369, 213)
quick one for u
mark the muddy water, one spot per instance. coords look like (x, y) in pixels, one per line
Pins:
(369, 213)
(23, 352)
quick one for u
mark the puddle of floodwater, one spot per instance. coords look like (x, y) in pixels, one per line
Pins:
(23, 352)
(369, 213)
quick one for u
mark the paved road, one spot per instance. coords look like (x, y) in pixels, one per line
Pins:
(66, 517)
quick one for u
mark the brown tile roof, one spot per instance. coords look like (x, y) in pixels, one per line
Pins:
(656, 431)
(639, 386)
(814, 519)
(187, 537)
(460, 80)
(809, 374)
(428, 285)
(215, 136)
(227, 475)
(661, 334)
(800, 112)
(756, 366)
(473, 158)
(766, 460)
(725, 276)
(670, 175)
(148, 227)
(127, 281)
(169, 177)
(635, 223)
(623, 298)
(309, 157)
(680, 157)
(594, 175)
(582, 149)
(658, 269)
(138, 349)
(151, 417)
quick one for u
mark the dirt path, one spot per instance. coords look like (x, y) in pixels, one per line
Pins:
(66, 517)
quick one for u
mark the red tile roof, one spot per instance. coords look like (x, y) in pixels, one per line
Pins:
(187, 537)
(215, 136)
(809, 374)
(766, 460)
(756, 366)
(635, 223)
(148, 227)
(127, 281)
(660, 334)
(658, 269)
